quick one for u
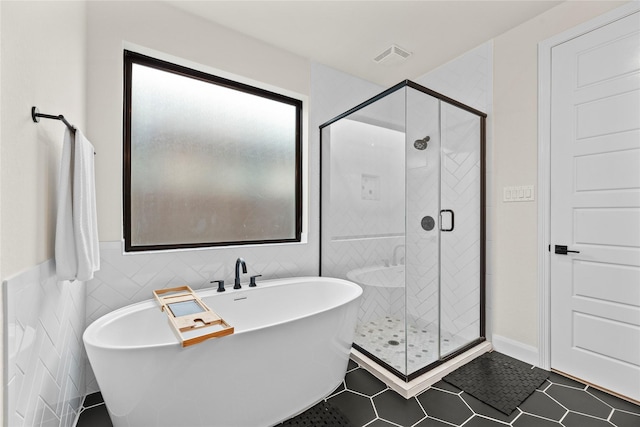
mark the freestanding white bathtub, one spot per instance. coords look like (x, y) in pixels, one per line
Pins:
(289, 350)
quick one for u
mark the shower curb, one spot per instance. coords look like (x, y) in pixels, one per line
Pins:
(423, 382)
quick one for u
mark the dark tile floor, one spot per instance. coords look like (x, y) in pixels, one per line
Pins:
(366, 401)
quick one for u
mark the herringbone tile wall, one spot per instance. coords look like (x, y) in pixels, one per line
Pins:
(45, 353)
(423, 199)
(468, 79)
(460, 249)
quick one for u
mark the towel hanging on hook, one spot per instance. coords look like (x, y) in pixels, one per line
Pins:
(36, 114)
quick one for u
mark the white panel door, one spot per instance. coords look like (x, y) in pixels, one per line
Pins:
(595, 207)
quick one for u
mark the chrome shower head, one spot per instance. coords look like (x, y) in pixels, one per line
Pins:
(421, 144)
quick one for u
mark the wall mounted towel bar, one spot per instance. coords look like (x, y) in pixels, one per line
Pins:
(35, 115)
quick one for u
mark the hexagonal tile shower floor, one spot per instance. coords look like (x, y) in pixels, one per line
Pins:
(366, 401)
(414, 344)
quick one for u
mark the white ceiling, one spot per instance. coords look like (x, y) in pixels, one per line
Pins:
(347, 35)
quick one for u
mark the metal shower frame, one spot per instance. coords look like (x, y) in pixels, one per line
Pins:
(483, 130)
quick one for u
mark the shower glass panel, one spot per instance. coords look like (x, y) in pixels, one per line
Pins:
(422, 239)
(402, 215)
(364, 219)
(461, 193)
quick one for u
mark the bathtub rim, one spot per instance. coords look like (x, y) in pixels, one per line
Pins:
(352, 276)
(89, 337)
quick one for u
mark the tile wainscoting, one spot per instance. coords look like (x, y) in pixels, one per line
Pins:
(44, 373)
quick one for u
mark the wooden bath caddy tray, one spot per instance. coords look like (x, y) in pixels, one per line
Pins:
(189, 316)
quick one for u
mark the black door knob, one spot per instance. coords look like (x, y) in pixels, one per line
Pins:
(563, 250)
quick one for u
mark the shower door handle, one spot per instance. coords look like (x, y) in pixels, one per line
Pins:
(447, 211)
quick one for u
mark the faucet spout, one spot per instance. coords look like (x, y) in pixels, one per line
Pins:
(239, 262)
(395, 260)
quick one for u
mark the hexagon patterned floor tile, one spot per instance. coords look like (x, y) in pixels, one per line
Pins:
(445, 406)
(395, 408)
(367, 402)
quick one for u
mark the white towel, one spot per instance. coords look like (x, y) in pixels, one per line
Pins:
(77, 251)
(85, 218)
(65, 250)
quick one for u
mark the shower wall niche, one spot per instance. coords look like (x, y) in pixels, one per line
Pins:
(402, 196)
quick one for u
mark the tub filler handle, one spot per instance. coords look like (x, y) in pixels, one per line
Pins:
(252, 280)
(190, 318)
(220, 285)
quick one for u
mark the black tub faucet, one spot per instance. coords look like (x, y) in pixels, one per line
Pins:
(239, 262)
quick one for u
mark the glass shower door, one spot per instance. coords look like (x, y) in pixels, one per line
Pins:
(422, 235)
(460, 235)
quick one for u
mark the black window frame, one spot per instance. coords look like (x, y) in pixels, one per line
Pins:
(131, 58)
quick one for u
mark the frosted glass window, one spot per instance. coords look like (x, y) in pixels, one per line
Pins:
(208, 161)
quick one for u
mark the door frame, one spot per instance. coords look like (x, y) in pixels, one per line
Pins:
(544, 168)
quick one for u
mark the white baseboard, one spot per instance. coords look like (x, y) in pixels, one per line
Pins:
(516, 349)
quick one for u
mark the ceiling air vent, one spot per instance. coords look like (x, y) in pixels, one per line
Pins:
(392, 55)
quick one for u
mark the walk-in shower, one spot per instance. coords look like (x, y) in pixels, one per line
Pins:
(402, 196)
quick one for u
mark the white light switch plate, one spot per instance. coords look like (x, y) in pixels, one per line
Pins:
(522, 193)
